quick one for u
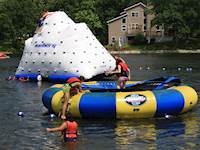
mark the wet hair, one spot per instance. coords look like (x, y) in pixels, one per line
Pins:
(82, 78)
(69, 117)
(116, 55)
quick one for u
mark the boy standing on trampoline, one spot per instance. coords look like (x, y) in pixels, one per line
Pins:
(122, 72)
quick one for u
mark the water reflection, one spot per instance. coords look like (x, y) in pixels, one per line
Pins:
(161, 133)
(181, 132)
(135, 132)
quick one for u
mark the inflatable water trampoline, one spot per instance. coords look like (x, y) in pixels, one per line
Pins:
(143, 99)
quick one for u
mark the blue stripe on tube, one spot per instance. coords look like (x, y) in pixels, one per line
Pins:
(47, 97)
(169, 102)
(98, 105)
(32, 77)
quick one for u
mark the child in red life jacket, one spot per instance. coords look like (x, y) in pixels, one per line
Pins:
(122, 71)
(67, 128)
(71, 88)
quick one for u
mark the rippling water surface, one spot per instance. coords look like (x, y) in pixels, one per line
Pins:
(181, 132)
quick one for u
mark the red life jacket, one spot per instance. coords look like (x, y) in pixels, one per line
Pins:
(124, 66)
(124, 70)
(71, 131)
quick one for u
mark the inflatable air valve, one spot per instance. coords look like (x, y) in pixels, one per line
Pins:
(52, 116)
(39, 78)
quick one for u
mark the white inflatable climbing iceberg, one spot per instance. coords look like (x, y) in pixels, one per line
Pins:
(62, 46)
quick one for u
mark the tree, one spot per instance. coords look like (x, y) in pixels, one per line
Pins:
(87, 13)
(180, 16)
(6, 27)
(18, 21)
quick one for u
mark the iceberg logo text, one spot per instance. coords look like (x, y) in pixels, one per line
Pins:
(45, 45)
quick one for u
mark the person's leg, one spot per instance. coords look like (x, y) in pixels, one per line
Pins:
(118, 83)
(121, 82)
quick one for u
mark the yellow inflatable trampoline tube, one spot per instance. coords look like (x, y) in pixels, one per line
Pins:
(136, 104)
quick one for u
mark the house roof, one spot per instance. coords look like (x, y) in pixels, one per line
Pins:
(117, 18)
(135, 5)
(123, 14)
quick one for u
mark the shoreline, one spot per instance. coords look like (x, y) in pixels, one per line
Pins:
(6, 52)
(180, 51)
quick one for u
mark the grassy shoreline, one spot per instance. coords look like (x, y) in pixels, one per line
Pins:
(9, 49)
(180, 51)
(190, 46)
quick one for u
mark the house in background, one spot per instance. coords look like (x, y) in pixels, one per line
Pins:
(131, 22)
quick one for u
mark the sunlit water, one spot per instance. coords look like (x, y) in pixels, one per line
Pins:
(181, 132)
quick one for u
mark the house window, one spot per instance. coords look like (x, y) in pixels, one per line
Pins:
(158, 27)
(145, 21)
(137, 26)
(133, 26)
(124, 20)
(145, 28)
(123, 28)
(135, 14)
(113, 39)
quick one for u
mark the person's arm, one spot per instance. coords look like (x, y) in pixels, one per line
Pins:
(118, 70)
(80, 89)
(129, 74)
(65, 104)
(60, 128)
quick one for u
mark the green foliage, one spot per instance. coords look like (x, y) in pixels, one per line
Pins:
(190, 44)
(87, 13)
(178, 16)
(139, 39)
(18, 21)
(6, 26)
(18, 17)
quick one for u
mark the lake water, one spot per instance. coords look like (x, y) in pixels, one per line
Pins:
(181, 132)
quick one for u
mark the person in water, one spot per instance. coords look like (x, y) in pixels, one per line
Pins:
(71, 88)
(122, 72)
(11, 78)
(68, 129)
(22, 79)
